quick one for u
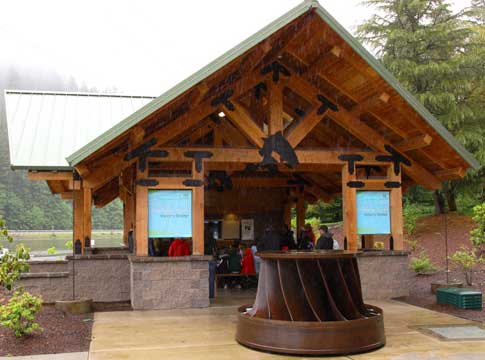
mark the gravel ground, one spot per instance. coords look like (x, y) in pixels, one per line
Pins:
(62, 333)
(431, 238)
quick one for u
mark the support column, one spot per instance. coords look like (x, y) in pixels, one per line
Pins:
(198, 212)
(87, 219)
(78, 208)
(349, 208)
(82, 202)
(128, 216)
(287, 213)
(141, 223)
(300, 212)
(395, 200)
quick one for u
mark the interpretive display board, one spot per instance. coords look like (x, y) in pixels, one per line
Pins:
(169, 213)
(373, 212)
(247, 229)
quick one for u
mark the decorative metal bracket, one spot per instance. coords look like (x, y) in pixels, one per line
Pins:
(224, 99)
(276, 69)
(326, 104)
(396, 158)
(278, 143)
(198, 156)
(351, 159)
(147, 182)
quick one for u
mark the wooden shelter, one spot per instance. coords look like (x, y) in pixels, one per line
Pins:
(300, 111)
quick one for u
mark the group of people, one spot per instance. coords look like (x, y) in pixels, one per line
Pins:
(273, 240)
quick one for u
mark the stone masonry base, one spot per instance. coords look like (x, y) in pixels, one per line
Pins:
(169, 282)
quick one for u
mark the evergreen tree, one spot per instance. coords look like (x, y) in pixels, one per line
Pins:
(439, 57)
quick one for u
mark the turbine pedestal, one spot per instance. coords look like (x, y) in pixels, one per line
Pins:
(310, 303)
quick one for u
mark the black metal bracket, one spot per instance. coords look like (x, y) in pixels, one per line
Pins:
(326, 104)
(147, 182)
(258, 90)
(356, 184)
(193, 182)
(396, 158)
(276, 69)
(278, 143)
(224, 99)
(143, 151)
(351, 159)
(219, 181)
(392, 184)
(198, 156)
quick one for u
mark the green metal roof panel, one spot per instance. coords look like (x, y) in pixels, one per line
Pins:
(44, 127)
(238, 50)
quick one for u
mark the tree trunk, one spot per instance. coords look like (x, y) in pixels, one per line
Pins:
(439, 202)
(451, 200)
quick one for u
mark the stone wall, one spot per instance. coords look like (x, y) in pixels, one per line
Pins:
(103, 278)
(384, 274)
(169, 283)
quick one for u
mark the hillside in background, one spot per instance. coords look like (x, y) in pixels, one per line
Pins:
(30, 205)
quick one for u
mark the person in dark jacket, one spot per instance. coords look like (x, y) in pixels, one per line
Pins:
(305, 242)
(270, 241)
(325, 241)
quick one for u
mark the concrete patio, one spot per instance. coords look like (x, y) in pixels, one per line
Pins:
(209, 334)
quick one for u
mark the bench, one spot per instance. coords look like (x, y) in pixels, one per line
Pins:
(230, 275)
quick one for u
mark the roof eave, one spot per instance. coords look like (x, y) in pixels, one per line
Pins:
(189, 82)
(391, 79)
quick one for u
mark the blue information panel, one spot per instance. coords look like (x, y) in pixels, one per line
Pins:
(169, 213)
(373, 212)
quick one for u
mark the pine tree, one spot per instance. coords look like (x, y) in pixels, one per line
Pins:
(439, 57)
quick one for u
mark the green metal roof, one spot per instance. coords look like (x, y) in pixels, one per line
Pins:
(44, 126)
(246, 45)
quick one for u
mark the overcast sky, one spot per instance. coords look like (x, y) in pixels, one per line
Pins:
(140, 46)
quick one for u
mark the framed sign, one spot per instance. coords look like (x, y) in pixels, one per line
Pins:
(169, 213)
(247, 229)
(373, 212)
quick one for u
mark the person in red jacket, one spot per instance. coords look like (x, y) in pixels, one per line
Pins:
(179, 247)
(247, 263)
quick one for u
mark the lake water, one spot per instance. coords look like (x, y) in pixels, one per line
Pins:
(39, 242)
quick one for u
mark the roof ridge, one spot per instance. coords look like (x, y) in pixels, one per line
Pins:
(75, 93)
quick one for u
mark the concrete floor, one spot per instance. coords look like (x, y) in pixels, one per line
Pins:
(209, 334)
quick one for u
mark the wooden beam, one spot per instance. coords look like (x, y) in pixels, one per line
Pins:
(349, 208)
(448, 174)
(242, 120)
(416, 142)
(78, 228)
(237, 155)
(68, 195)
(364, 132)
(275, 108)
(107, 193)
(49, 175)
(306, 125)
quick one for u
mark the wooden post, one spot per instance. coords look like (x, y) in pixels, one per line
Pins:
(78, 229)
(300, 212)
(349, 208)
(275, 100)
(198, 212)
(395, 200)
(287, 214)
(128, 216)
(87, 206)
(141, 229)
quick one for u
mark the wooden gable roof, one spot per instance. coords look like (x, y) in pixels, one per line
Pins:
(314, 61)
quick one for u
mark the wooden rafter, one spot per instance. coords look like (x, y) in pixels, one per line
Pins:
(242, 119)
(275, 108)
(416, 142)
(363, 132)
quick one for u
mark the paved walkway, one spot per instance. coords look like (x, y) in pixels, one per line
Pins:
(64, 356)
(209, 334)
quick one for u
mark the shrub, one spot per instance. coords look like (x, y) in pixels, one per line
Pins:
(68, 244)
(466, 261)
(477, 235)
(422, 264)
(51, 250)
(20, 312)
(12, 264)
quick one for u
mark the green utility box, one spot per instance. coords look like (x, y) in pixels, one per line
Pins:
(459, 297)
